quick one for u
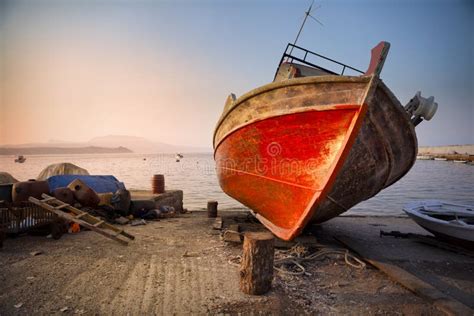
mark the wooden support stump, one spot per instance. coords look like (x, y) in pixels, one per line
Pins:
(256, 268)
(211, 208)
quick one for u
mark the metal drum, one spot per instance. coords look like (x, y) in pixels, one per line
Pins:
(158, 184)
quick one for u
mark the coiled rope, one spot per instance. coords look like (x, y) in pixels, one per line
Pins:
(286, 261)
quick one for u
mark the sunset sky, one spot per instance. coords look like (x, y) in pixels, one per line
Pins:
(74, 70)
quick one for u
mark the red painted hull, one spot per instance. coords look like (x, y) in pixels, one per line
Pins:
(282, 165)
(294, 152)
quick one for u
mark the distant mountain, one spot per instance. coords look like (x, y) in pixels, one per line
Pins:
(133, 143)
(62, 150)
(143, 145)
(48, 144)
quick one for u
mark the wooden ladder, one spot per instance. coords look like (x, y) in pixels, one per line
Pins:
(84, 219)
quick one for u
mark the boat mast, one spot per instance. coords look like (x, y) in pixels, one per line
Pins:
(307, 13)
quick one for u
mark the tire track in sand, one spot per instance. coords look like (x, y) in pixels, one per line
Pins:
(173, 285)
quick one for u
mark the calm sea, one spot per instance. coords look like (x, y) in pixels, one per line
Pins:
(195, 175)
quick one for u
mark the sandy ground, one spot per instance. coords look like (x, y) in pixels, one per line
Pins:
(181, 266)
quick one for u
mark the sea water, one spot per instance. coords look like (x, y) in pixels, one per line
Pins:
(195, 174)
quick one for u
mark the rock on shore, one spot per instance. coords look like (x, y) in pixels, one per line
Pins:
(6, 178)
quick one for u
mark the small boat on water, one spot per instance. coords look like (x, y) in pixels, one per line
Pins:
(315, 142)
(460, 161)
(447, 221)
(424, 157)
(441, 159)
(20, 159)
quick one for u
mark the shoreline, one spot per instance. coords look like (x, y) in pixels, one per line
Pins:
(446, 157)
(467, 149)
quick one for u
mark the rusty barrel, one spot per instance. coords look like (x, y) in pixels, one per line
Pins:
(158, 183)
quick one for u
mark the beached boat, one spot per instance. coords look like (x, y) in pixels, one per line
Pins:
(314, 143)
(448, 221)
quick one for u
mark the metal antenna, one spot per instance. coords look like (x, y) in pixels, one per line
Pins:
(307, 13)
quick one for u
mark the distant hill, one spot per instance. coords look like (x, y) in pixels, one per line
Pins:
(62, 150)
(132, 143)
(143, 145)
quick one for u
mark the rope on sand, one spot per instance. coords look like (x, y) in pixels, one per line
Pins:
(298, 254)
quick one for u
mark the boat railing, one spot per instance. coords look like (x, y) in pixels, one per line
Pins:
(289, 56)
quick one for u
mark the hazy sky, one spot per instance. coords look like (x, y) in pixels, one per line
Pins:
(73, 70)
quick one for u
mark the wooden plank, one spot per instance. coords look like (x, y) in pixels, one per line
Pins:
(443, 302)
(48, 198)
(102, 232)
(75, 210)
(217, 223)
(129, 236)
(61, 206)
(92, 226)
(98, 223)
(87, 217)
(80, 215)
(234, 228)
(232, 236)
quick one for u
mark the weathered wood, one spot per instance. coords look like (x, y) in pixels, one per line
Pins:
(217, 223)
(372, 149)
(232, 236)
(82, 218)
(443, 302)
(256, 268)
(279, 98)
(234, 227)
(212, 208)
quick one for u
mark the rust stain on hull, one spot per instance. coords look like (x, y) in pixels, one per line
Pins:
(307, 149)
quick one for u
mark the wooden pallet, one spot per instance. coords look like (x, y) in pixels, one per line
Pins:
(84, 219)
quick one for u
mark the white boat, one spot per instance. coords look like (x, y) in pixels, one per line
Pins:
(448, 221)
(424, 157)
(460, 161)
(441, 159)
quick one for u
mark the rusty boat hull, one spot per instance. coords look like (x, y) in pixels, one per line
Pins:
(308, 149)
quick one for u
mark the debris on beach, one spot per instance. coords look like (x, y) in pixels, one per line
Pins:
(19, 305)
(88, 201)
